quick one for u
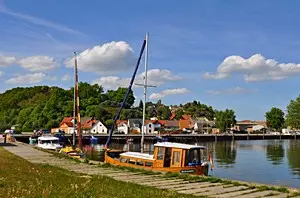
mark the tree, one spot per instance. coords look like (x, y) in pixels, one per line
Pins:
(179, 113)
(275, 118)
(141, 104)
(293, 113)
(109, 122)
(225, 119)
(163, 113)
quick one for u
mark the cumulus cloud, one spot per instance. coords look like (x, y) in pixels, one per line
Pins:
(38, 63)
(6, 60)
(155, 77)
(66, 77)
(27, 79)
(1, 73)
(255, 68)
(168, 92)
(110, 58)
(235, 90)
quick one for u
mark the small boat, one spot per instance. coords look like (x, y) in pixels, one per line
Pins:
(70, 151)
(168, 156)
(48, 142)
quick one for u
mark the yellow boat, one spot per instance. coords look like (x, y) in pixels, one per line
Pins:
(74, 153)
(168, 156)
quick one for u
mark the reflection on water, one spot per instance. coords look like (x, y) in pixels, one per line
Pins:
(263, 161)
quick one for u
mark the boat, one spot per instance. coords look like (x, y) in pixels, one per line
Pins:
(75, 151)
(168, 156)
(48, 142)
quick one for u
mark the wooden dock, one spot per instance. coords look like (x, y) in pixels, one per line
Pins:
(219, 190)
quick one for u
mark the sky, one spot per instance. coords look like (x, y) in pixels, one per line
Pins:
(240, 55)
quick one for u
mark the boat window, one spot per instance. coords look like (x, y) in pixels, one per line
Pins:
(123, 159)
(193, 157)
(148, 164)
(140, 163)
(54, 141)
(176, 157)
(160, 153)
(131, 161)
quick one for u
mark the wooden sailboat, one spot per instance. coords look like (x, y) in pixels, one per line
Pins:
(168, 156)
(74, 151)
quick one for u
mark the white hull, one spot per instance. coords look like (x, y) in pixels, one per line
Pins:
(50, 146)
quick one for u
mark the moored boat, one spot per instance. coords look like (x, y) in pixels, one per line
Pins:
(48, 142)
(168, 156)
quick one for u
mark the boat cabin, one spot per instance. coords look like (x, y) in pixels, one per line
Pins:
(48, 142)
(169, 154)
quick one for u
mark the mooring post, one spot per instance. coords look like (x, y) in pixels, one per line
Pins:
(4, 138)
(216, 137)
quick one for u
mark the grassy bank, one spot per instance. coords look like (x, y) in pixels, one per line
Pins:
(19, 178)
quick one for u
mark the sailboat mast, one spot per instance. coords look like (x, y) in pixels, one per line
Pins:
(145, 92)
(77, 103)
(74, 107)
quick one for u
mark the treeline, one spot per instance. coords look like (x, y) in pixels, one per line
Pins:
(44, 107)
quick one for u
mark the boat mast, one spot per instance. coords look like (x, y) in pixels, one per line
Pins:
(74, 107)
(126, 95)
(77, 102)
(145, 85)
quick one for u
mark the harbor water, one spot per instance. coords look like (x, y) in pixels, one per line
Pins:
(263, 161)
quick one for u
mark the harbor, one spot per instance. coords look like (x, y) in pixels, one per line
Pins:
(171, 183)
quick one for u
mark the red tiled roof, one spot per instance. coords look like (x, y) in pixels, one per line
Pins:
(173, 115)
(67, 121)
(162, 122)
(186, 117)
(89, 123)
(119, 121)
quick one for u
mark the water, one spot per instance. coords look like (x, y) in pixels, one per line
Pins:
(262, 161)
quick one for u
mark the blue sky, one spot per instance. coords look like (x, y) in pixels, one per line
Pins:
(228, 54)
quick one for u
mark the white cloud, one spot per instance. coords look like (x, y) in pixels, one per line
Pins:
(6, 60)
(27, 79)
(168, 92)
(156, 77)
(37, 21)
(255, 68)
(236, 90)
(110, 58)
(66, 77)
(1, 73)
(38, 63)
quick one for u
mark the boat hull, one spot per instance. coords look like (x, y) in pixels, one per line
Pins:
(194, 170)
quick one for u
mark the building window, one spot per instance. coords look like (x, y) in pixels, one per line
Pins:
(102, 130)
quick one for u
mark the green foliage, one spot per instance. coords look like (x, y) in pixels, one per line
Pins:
(293, 113)
(196, 109)
(45, 107)
(275, 118)
(224, 119)
(163, 112)
(179, 113)
(109, 122)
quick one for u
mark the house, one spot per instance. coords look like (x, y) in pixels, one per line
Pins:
(94, 126)
(66, 125)
(247, 125)
(173, 116)
(135, 125)
(185, 124)
(150, 126)
(171, 125)
(122, 126)
(203, 126)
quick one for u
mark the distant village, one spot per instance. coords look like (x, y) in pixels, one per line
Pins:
(186, 124)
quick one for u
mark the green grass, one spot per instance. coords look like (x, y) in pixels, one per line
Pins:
(19, 178)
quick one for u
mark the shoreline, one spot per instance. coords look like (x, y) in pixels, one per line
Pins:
(186, 178)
